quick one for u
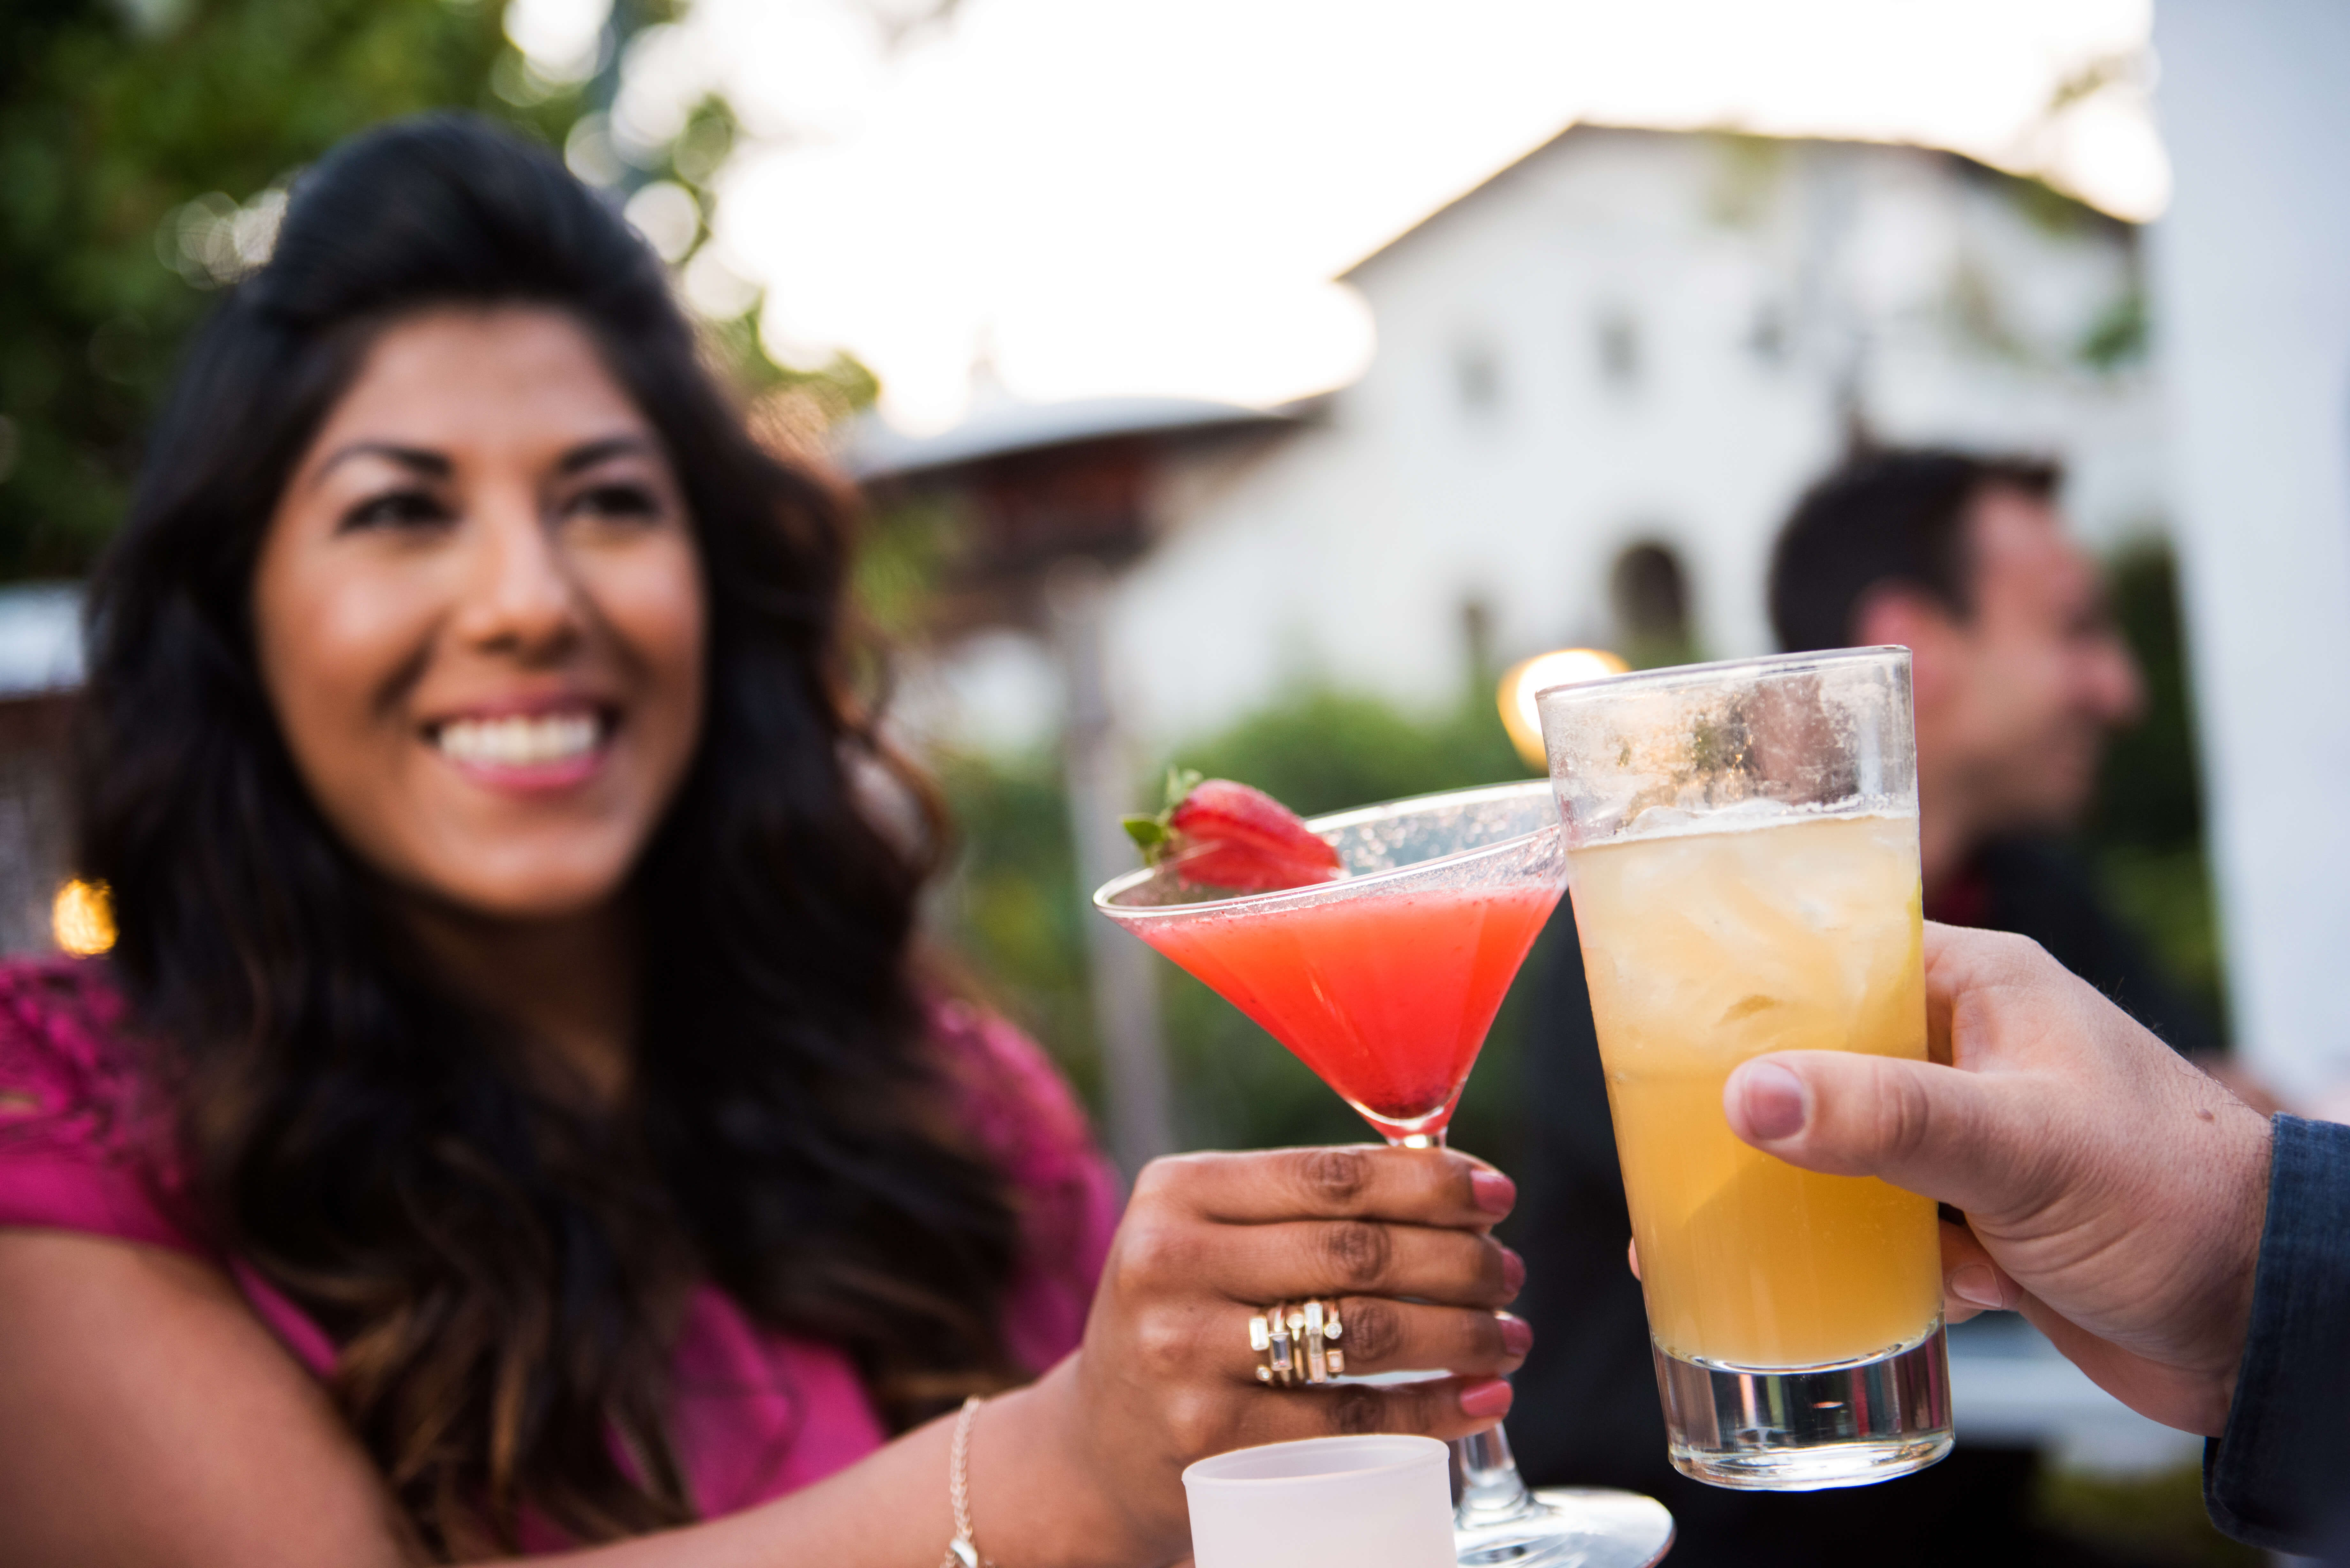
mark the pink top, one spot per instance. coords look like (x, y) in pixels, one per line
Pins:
(758, 1414)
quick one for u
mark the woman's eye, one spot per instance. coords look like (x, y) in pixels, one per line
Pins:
(623, 500)
(397, 509)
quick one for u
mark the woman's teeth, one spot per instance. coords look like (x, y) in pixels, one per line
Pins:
(520, 742)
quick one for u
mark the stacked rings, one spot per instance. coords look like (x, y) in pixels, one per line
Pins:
(1297, 1343)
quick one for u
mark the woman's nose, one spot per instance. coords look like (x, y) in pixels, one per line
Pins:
(521, 596)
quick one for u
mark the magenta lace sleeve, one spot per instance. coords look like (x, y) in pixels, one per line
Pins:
(79, 1142)
(1069, 1198)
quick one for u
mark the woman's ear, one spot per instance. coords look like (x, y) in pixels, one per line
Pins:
(1898, 615)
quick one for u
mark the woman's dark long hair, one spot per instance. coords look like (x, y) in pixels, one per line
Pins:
(503, 1274)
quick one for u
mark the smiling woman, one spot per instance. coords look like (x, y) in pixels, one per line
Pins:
(478, 615)
(512, 1116)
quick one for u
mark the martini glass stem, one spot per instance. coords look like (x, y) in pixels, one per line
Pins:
(1492, 1491)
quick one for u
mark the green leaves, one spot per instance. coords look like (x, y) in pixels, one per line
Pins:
(1153, 835)
(121, 126)
(1149, 834)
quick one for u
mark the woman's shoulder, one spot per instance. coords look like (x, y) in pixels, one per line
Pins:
(1029, 1125)
(1011, 1096)
(83, 1141)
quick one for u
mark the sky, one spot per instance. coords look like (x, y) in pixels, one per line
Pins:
(1049, 198)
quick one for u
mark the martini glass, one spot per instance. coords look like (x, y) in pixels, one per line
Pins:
(1385, 982)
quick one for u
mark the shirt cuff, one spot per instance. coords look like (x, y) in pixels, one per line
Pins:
(2273, 1478)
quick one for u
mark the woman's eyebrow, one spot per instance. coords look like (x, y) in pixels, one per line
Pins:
(589, 453)
(421, 459)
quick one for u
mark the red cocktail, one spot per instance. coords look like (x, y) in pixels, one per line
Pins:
(1386, 998)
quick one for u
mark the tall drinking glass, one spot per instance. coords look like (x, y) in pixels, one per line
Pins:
(1742, 857)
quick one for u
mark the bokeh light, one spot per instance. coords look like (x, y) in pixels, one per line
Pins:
(82, 918)
(1561, 667)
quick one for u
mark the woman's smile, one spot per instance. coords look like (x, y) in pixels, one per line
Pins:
(526, 747)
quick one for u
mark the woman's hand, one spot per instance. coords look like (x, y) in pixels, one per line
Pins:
(1166, 1374)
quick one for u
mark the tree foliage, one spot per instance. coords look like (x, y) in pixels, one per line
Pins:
(145, 150)
(140, 143)
(2145, 827)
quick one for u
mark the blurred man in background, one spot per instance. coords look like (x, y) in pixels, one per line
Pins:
(2019, 677)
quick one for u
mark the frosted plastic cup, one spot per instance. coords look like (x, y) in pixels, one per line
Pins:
(1364, 1503)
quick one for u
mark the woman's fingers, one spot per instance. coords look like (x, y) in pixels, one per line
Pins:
(1409, 1186)
(1361, 1257)
(1209, 1239)
(1375, 1334)
(1174, 1347)
(1382, 1335)
(1436, 1407)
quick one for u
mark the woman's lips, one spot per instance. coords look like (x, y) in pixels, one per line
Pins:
(526, 753)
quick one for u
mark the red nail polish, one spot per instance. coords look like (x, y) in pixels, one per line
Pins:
(1517, 1334)
(1513, 1273)
(1496, 1194)
(1486, 1401)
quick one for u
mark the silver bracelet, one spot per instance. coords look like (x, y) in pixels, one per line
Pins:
(962, 1552)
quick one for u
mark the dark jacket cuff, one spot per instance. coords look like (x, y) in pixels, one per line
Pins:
(2275, 1477)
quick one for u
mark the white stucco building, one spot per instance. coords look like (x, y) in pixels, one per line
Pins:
(1629, 336)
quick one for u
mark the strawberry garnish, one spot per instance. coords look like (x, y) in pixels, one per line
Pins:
(1225, 835)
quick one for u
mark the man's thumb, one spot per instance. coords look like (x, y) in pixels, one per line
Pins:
(1927, 1129)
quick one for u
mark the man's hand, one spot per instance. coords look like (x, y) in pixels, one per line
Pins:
(2114, 1194)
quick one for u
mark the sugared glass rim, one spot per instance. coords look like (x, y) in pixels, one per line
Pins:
(1694, 674)
(1348, 887)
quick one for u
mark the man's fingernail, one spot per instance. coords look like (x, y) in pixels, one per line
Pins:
(1496, 1194)
(1513, 1271)
(1977, 1283)
(1486, 1401)
(1773, 1098)
(1517, 1334)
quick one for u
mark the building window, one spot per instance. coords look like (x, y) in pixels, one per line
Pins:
(1477, 376)
(1649, 593)
(1619, 348)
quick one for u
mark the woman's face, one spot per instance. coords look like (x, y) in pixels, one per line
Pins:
(479, 617)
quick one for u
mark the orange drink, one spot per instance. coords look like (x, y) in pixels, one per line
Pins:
(1703, 950)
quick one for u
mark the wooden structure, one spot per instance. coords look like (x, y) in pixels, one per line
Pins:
(1047, 501)
(35, 832)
